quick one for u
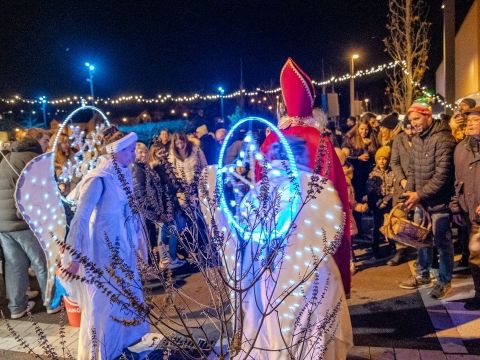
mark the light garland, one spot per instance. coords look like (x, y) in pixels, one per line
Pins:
(162, 98)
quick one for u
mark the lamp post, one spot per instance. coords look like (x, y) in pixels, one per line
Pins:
(221, 91)
(367, 101)
(352, 84)
(43, 101)
(91, 69)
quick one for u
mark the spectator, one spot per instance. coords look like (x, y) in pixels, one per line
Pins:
(457, 124)
(430, 183)
(164, 142)
(63, 154)
(187, 159)
(360, 146)
(20, 247)
(467, 195)
(373, 121)
(389, 128)
(207, 144)
(380, 193)
(467, 104)
(169, 214)
(354, 206)
(140, 172)
(220, 135)
(399, 162)
(350, 123)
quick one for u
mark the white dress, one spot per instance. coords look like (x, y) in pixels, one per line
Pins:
(313, 321)
(103, 210)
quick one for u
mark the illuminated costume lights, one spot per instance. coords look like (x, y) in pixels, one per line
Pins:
(313, 320)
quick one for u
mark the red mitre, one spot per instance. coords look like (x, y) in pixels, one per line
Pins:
(297, 91)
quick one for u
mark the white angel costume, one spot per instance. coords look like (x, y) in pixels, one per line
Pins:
(103, 211)
(307, 313)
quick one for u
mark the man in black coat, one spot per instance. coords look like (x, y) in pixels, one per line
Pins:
(20, 247)
(208, 144)
(430, 181)
(467, 195)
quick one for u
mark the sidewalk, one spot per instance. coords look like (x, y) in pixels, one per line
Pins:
(388, 322)
(393, 323)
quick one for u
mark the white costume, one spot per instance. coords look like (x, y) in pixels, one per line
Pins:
(313, 321)
(103, 210)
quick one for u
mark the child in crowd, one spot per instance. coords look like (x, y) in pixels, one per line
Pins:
(380, 192)
(354, 205)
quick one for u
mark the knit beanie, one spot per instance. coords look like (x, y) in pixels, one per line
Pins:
(390, 121)
(421, 108)
(470, 102)
(383, 151)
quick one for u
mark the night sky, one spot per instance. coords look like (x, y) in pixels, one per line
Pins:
(186, 46)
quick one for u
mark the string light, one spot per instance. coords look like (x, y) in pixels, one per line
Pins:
(162, 98)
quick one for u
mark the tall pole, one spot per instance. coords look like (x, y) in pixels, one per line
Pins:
(44, 110)
(449, 50)
(91, 69)
(352, 84)
(221, 91)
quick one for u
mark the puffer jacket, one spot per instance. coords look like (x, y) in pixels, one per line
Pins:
(431, 170)
(399, 162)
(467, 179)
(21, 154)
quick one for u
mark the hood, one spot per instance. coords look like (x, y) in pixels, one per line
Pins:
(27, 144)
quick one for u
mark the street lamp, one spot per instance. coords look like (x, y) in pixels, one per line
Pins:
(43, 101)
(221, 91)
(91, 69)
(352, 84)
(366, 104)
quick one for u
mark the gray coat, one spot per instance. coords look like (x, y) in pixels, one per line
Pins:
(431, 170)
(399, 162)
(467, 179)
(23, 152)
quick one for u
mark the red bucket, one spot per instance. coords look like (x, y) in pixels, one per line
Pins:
(74, 313)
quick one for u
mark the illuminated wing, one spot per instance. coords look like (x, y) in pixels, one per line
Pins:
(39, 202)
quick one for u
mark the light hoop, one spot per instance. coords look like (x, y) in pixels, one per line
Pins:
(69, 117)
(220, 171)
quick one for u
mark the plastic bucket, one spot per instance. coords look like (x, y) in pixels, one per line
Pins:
(74, 313)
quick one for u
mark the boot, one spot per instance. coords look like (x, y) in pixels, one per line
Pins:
(474, 303)
(399, 257)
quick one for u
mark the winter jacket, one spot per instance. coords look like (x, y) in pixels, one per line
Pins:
(431, 170)
(21, 154)
(380, 186)
(467, 179)
(209, 146)
(399, 162)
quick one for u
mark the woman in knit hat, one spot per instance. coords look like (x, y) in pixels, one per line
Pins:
(380, 192)
(389, 128)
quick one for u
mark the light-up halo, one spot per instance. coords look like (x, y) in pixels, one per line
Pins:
(294, 184)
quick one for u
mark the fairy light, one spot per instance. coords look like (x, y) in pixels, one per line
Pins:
(258, 92)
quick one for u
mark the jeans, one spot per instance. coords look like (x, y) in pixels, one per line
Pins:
(21, 250)
(442, 239)
(167, 235)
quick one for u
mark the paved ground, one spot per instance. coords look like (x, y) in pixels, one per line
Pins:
(388, 322)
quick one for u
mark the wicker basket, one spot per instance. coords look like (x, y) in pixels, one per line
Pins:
(398, 227)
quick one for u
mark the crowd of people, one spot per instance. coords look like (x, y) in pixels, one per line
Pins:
(413, 160)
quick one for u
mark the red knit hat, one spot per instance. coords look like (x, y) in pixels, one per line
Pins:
(421, 108)
(297, 90)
